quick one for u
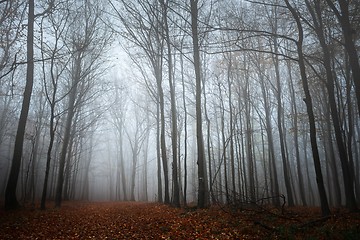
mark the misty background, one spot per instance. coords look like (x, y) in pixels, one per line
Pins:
(181, 101)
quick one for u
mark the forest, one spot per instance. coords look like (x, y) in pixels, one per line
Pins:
(198, 103)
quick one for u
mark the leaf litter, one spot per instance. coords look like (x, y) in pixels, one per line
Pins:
(137, 220)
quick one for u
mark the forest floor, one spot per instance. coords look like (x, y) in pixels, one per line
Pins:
(134, 220)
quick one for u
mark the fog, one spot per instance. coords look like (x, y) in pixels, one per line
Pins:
(180, 102)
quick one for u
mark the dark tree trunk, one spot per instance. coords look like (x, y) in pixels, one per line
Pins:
(309, 107)
(249, 146)
(231, 130)
(174, 130)
(202, 181)
(158, 155)
(163, 142)
(348, 32)
(224, 145)
(11, 201)
(67, 131)
(52, 130)
(185, 128)
(330, 85)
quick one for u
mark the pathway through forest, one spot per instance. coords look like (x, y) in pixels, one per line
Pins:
(132, 220)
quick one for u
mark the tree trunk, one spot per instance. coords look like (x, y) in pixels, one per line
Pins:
(294, 113)
(185, 128)
(67, 130)
(280, 116)
(248, 141)
(231, 130)
(325, 210)
(158, 156)
(348, 33)
(52, 130)
(224, 150)
(202, 181)
(344, 158)
(269, 134)
(11, 201)
(174, 128)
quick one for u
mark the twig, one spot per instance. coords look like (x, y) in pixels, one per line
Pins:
(273, 229)
(313, 222)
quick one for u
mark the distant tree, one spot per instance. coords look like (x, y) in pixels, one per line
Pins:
(143, 22)
(53, 71)
(88, 39)
(136, 140)
(118, 117)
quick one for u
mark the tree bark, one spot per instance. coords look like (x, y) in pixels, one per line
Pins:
(202, 181)
(344, 159)
(10, 192)
(174, 128)
(348, 32)
(325, 210)
(294, 112)
(67, 130)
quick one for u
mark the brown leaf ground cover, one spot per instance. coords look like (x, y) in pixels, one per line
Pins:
(133, 220)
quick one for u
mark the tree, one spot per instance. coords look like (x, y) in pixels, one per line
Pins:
(118, 116)
(280, 111)
(174, 128)
(11, 18)
(136, 140)
(294, 113)
(57, 68)
(330, 86)
(202, 181)
(88, 41)
(10, 194)
(343, 15)
(142, 29)
(309, 107)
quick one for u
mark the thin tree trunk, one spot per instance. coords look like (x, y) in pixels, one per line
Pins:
(280, 116)
(231, 130)
(158, 156)
(223, 147)
(294, 112)
(162, 138)
(185, 127)
(249, 147)
(268, 127)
